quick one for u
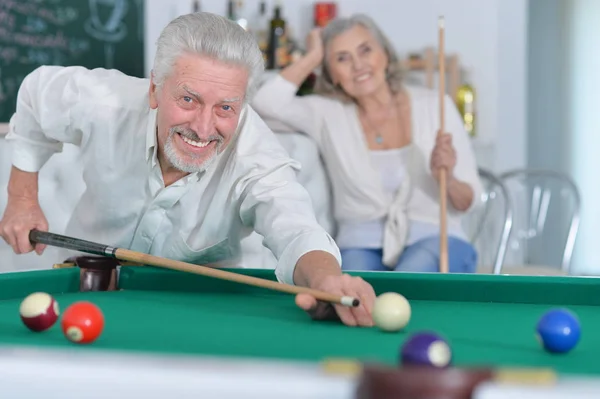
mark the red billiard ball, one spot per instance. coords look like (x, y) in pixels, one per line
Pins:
(82, 322)
(39, 311)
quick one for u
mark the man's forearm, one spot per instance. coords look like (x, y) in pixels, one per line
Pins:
(23, 184)
(315, 265)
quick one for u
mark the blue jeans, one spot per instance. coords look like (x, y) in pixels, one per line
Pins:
(422, 256)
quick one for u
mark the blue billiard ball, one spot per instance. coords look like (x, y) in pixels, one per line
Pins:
(559, 330)
(426, 349)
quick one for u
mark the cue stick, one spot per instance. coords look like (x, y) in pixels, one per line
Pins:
(443, 189)
(56, 240)
(71, 264)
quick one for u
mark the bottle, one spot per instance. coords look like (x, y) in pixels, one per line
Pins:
(240, 17)
(231, 10)
(308, 85)
(277, 57)
(260, 29)
(235, 13)
(196, 6)
(465, 102)
(323, 12)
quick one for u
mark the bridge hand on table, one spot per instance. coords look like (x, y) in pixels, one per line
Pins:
(342, 285)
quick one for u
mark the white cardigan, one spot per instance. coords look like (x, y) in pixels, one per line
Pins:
(357, 189)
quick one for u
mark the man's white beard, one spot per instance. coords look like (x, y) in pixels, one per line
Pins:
(174, 158)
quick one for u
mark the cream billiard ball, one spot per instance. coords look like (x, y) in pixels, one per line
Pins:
(391, 312)
(39, 311)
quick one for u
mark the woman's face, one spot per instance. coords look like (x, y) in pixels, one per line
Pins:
(357, 62)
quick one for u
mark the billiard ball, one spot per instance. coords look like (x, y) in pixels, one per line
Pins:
(391, 312)
(39, 311)
(426, 349)
(82, 322)
(558, 330)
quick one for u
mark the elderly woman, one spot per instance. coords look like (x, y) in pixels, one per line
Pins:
(379, 140)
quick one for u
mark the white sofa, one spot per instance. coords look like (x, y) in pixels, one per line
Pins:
(61, 186)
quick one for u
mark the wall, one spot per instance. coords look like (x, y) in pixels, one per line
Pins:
(563, 122)
(489, 37)
(547, 85)
(583, 122)
(547, 100)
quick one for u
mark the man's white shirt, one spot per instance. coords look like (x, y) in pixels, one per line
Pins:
(201, 218)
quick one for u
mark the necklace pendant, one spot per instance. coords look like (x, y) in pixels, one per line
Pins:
(379, 139)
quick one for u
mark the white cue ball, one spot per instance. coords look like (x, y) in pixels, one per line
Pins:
(391, 312)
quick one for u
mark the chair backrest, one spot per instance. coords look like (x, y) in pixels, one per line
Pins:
(546, 207)
(489, 226)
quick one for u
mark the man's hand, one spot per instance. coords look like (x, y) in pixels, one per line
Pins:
(23, 212)
(20, 217)
(320, 271)
(342, 285)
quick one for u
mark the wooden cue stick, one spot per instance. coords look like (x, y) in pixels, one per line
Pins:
(443, 188)
(52, 239)
(71, 264)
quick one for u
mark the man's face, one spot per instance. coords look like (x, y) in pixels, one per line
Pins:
(199, 106)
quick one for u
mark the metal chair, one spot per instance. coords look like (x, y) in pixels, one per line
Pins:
(546, 206)
(489, 226)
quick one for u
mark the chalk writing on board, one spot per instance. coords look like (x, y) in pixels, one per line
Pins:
(112, 29)
(90, 33)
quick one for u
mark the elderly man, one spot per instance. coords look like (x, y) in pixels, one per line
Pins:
(177, 166)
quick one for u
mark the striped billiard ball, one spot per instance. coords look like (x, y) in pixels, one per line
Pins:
(39, 311)
(426, 349)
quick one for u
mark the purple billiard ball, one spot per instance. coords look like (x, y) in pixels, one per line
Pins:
(558, 330)
(426, 349)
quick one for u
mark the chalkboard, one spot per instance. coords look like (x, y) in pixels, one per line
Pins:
(90, 33)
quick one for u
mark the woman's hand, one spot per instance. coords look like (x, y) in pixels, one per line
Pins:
(300, 69)
(443, 156)
(314, 45)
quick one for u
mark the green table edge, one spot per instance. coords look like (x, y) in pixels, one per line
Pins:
(545, 290)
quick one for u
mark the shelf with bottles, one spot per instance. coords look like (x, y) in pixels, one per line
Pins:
(459, 84)
(427, 62)
(281, 47)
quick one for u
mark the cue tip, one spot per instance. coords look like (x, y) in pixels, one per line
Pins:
(441, 22)
(349, 301)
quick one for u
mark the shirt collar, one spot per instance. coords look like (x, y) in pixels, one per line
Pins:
(151, 147)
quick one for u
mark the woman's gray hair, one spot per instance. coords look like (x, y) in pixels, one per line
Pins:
(212, 36)
(324, 84)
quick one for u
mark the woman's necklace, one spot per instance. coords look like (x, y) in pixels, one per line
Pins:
(378, 135)
(378, 138)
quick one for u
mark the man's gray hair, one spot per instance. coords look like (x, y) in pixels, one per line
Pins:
(212, 36)
(394, 73)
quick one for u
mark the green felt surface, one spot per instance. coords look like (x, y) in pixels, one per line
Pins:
(488, 320)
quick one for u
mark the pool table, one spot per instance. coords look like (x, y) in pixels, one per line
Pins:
(249, 333)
